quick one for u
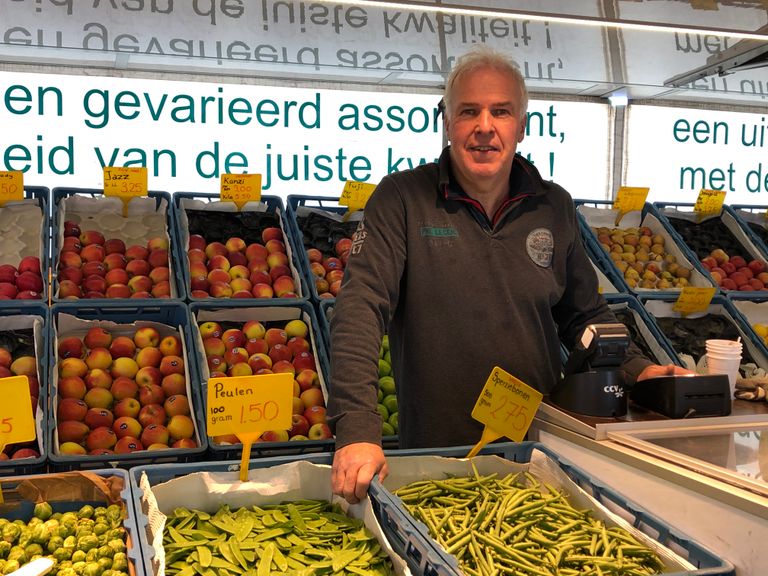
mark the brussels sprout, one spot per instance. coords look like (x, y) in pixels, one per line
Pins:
(69, 571)
(65, 564)
(11, 532)
(84, 530)
(51, 524)
(86, 511)
(106, 552)
(115, 514)
(116, 534)
(92, 569)
(99, 512)
(78, 567)
(117, 545)
(5, 547)
(56, 516)
(25, 537)
(69, 518)
(105, 563)
(20, 523)
(61, 554)
(87, 542)
(3, 522)
(92, 555)
(120, 561)
(33, 550)
(10, 566)
(100, 528)
(17, 553)
(78, 556)
(33, 522)
(64, 531)
(70, 542)
(40, 534)
(43, 510)
(54, 543)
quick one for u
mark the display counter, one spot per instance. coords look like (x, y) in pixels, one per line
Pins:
(707, 476)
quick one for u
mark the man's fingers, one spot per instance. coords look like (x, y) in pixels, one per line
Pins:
(363, 480)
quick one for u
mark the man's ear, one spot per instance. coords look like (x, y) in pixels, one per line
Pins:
(523, 124)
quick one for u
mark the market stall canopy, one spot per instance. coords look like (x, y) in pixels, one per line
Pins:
(707, 51)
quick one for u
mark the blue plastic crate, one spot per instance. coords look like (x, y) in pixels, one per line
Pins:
(32, 308)
(176, 278)
(24, 509)
(720, 305)
(41, 196)
(243, 312)
(648, 217)
(173, 314)
(751, 309)
(300, 206)
(752, 219)
(665, 210)
(411, 539)
(272, 205)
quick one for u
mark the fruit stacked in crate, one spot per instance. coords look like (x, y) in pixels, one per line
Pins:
(102, 253)
(324, 230)
(23, 262)
(386, 391)
(23, 346)
(239, 254)
(245, 341)
(121, 388)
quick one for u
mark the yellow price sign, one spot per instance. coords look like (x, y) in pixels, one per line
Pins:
(629, 199)
(506, 406)
(11, 187)
(17, 423)
(240, 189)
(248, 406)
(355, 194)
(709, 202)
(125, 183)
(693, 299)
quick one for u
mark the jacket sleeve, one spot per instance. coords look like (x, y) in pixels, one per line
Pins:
(361, 314)
(582, 304)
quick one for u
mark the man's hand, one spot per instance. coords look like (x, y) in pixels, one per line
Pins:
(353, 468)
(654, 371)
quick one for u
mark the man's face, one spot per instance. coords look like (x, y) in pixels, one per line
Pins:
(484, 124)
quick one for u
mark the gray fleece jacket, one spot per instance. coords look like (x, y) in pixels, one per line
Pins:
(458, 293)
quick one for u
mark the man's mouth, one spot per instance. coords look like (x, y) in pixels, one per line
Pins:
(483, 148)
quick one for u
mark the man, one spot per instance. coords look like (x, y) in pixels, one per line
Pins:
(468, 263)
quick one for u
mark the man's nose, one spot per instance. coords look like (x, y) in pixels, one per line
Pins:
(484, 121)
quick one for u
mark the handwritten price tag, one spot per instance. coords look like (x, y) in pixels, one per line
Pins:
(506, 406)
(355, 194)
(17, 423)
(248, 406)
(125, 183)
(709, 202)
(240, 189)
(11, 187)
(693, 299)
(629, 199)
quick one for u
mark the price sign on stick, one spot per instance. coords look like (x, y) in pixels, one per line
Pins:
(248, 406)
(11, 187)
(125, 183)
(506, 406)
(355, 195)
(240, 189)
(17, 422)
(693, 299)
(629, 199)
(709, 203)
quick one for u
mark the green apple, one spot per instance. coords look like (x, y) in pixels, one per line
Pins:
(385, 342)
(387, 430)
(383, 411)
(390, 403)
(387, 358)
(393, 421)
(384, 368)
(380, 395)
(387, 385)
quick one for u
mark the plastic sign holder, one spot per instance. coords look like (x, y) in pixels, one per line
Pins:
(240, 189)
(709, 203)
(11, 187)
(248, 406)
(355, 196)
(17, 423)
(693, 299)
(629, 199)
(506, 406)
(125, 183)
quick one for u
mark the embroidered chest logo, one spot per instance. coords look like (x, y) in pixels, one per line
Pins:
(435, 232)
(540, 245)
(358, 238)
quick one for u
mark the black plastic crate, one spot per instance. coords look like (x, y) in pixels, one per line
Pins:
(754, 221)
(411, 539)
(23, 509)
(237, 313)
(41, 196)
(269, 212)
(33, 311)
(317, 222)
(752, 309)
(176, 276)
(175, 315)
(591, 213)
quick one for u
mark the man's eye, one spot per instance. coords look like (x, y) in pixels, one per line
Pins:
(501, 112)
(467, 112)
